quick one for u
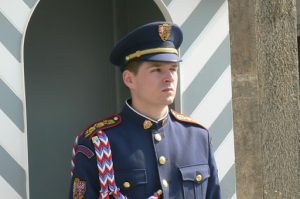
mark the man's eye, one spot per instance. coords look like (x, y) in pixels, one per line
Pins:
(174, 69)
(156, 70)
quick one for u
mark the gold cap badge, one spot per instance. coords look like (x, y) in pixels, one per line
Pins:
(164, 31)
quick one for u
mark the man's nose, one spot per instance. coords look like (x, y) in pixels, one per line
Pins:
(169, 76)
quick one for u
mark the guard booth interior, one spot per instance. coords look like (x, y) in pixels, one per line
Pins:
(69, 81)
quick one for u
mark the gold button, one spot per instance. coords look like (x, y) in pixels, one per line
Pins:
(157, 137)
(126, 185)
(162, 160)
(165, 183)
(199, 178)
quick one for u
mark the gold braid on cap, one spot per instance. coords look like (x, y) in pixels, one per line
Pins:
(150, 51)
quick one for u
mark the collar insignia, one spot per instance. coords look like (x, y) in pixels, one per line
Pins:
(164, 31)
(147, 124)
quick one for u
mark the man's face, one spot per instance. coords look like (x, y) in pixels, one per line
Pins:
(154, 84)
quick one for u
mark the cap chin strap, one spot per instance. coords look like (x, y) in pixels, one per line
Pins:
(106, 170)
(139, 53)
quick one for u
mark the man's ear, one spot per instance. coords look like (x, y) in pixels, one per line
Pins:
(128, 79)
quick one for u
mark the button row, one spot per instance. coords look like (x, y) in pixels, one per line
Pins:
(162, 160)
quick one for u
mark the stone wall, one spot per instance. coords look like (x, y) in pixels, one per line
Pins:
(265, 83)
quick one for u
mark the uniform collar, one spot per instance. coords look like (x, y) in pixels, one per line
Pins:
(141, 119)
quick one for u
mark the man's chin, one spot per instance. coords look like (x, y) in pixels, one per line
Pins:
(169, 101)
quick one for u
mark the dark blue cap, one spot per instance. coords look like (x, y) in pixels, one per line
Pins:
(156, 41)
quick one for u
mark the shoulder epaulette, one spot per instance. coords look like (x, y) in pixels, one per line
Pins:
(185, 118)
(103, 124)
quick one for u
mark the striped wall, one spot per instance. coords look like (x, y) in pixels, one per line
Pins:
(205, 85)
(205, 76)
(14, 15)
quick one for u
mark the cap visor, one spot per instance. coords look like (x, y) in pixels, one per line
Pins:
(163, 57)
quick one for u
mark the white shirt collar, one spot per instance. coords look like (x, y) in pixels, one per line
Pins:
(155, 121)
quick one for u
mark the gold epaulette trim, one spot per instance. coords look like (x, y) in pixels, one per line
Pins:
(103, 124)
(185, 118)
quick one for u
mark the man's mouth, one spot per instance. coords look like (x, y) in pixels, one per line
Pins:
(168, 90)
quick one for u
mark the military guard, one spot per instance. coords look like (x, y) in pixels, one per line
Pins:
(147, 150)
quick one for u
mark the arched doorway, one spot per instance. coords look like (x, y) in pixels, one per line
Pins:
(69, 80)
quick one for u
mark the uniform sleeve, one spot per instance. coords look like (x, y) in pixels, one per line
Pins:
(213, 189)
(84, 181)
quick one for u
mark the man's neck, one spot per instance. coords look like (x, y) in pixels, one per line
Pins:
(154, 112)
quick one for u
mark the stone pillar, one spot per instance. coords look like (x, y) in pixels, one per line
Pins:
(265, 83)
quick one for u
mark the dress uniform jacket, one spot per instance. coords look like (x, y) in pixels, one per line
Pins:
(173, 155)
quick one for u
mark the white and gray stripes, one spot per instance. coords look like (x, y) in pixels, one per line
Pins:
(205, 85)
(14, 15)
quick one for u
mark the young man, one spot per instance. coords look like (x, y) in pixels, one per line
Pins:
(148, 150)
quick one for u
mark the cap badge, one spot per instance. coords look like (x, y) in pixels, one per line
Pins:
(147, 124)
(164, 31)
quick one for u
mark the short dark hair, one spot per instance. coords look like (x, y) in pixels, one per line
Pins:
(133, 66)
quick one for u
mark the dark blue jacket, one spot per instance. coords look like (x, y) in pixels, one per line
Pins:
(173, 155)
